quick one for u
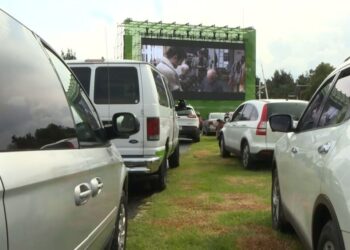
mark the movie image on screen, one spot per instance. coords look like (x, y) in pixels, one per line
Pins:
(207, 72)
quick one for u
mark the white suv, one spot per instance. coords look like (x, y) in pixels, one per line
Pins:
(188, 122)
(138, 88)
(311, 188)
(248, 133)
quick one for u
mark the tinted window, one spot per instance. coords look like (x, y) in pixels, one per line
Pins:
(337, 105)
(33, 108)
(292, 108)
(237, 114)
(162, 95)
(311, 115)
(89, 129)
(116, 85)
(83, 75)
(246, 112)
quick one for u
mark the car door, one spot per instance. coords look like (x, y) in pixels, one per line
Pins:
(300, 162)
(106, 171)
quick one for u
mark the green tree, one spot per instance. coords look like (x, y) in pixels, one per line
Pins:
(313, 79)
(281, 85)
(69, 55)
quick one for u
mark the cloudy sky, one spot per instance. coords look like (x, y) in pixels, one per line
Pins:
(291, 35)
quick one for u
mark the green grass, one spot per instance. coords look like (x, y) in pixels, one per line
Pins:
(210, 203)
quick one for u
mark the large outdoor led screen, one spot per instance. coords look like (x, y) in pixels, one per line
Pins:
(211, 70)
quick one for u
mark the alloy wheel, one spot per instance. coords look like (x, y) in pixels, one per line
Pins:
(122, 227)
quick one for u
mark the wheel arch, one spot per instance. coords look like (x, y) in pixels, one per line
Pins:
(322, 213)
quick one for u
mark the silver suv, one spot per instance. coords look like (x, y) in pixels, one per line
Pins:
(248, 133)
(63, 184)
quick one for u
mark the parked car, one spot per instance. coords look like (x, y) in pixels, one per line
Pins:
(141, 89)
(63, 184)
(210, 125)
(249, 135)
(188, 121)
(310, 173)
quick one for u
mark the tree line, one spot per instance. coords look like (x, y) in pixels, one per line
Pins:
(282, 84)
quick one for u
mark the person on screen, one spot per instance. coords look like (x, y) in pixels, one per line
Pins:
(237, 75)
(211, 83)
(173, 57)
(200, 65)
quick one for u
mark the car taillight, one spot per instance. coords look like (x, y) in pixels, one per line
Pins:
(153, 128)
(262, 125)
(191, 116)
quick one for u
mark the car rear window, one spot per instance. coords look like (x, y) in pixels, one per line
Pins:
(184, 112)
(116, 85)
(83, 74)
(292, 108)
(217, 116)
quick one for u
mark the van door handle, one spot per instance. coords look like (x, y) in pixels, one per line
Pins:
(82, 194)
(323, 149)
(96, 186)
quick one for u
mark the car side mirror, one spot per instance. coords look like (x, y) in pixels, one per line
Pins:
(123, 125)
(281, 123)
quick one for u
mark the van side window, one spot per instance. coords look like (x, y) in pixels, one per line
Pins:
(162, 95)
(33, 108)
(89, 130)
(116, 85)
(83, 74)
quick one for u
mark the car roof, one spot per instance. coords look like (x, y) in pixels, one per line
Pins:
(104, 61)
(276, 101)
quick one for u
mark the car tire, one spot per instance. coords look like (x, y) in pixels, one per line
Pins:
(118, 241)
(330, 237)
(279, 221)
(197, 137)
(223, 152)
(160, 181)
(247, 160)
(174, 159)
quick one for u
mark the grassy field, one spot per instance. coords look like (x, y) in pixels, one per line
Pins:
(210, 203)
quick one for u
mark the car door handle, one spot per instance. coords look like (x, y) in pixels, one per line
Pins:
(294, 150)
(96, 186)
(323, 149)
(82, 194)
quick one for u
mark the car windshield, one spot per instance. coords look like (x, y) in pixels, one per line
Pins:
(295, 109)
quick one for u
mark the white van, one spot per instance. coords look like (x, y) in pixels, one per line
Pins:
(139, 88)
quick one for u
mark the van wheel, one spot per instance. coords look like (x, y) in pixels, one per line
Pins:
(174, 159)
(247, 160)
(330, 237)
(160, 182)
(118, 241)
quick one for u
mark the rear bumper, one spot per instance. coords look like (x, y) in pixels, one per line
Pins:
(143, 164)
(188, 131)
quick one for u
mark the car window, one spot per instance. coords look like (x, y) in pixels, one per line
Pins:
(170, 96)
(337, 106)
(116, 85)
(33, 108)
(162, 95)
(237, 114)
(295, 109)
(246, 112)
(311, 115)
(84, 75)
(89, 129)
(185, 112)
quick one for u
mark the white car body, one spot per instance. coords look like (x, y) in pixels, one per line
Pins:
(249, 128)
(311, 166)
(188, 123)
(145, 93)
(209, 126)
